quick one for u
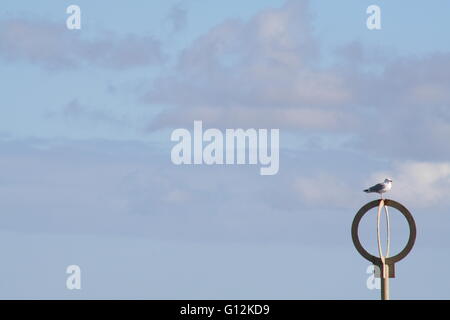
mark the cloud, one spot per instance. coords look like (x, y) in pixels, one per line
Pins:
(326, 190)
(254, 72)
(417, 184)
(407, 114)
(269, 71)
(76, 111)
(53, 46)
(422, 184)
(229, 117)
(132, 188)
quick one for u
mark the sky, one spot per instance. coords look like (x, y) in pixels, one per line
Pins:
(86, 176)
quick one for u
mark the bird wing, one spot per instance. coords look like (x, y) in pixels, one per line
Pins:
(377, 188)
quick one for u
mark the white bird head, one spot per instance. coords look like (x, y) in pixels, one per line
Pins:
(387, 180)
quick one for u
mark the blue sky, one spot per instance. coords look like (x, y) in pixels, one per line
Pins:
(85, 126)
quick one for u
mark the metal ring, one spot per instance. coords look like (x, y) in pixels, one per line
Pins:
(412, 232)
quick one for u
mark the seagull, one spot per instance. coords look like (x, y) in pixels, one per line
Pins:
(381, 187)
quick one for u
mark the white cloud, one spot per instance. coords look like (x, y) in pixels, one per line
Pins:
(422, 184)
(415, 184)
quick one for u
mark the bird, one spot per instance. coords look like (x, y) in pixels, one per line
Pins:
(380, 187)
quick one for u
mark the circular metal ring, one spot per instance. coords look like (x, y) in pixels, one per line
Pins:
(412, 232)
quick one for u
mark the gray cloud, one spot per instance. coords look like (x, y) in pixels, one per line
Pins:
(53, 46)
(76, 112)
(268, 72)
(117, 188)
(404, 109)
(132, 188)
(249, 69)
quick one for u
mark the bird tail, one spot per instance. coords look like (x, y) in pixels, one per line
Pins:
(366, 190)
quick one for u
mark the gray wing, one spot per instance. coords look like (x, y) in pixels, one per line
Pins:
(376, 188)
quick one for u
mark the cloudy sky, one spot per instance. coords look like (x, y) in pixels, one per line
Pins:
(86, 176)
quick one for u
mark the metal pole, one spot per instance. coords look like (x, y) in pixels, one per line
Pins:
(388, 231)
(385, 268)
(385, 265)
(385, 282)
(380, 249)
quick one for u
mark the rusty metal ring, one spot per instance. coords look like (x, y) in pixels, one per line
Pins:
(390, 260)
